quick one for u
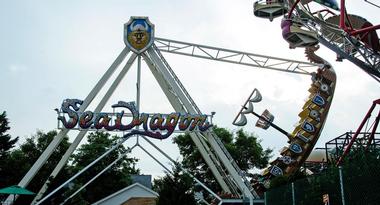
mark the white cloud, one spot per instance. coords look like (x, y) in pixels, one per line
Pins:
(17, 68)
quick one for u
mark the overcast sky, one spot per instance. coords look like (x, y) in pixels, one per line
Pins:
(52, 50)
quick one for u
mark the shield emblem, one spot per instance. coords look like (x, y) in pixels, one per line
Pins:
(318, 100)
(308, 127)
(138, 34)
(296, 148)
(276, 171)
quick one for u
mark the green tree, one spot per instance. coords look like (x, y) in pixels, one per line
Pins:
(175, 188)
(360, 171)
(116, 178)
(248, 153)
(245, 148)
(21, 159)
(6, 144)
(5, 139)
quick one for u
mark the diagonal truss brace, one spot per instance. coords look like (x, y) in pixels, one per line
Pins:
(236, 57)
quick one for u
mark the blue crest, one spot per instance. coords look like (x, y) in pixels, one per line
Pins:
(296, 148)
(319, 100)
(276, 171)
(308, 127)
(138, 34)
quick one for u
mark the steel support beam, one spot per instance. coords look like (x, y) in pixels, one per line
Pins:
(229, 166)
(178, 107)
(120, 142)
(55, 142)
(184, 170)
(185, 99)
(121, 156)
(82, 133)
(236, 57)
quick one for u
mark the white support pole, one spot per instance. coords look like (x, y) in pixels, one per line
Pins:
(55, 142)
(155, 58)
(191, 108)
(100, 173)
(293, 194)
(121, 141)
(227, 164)
(155, 159)
(178, 107)
(184, 170)
(165, 87)
(138, 83)
(341, 185)
(82, 133)
(265, 198)
(216, 147)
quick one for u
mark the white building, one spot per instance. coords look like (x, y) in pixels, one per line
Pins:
(135, 194)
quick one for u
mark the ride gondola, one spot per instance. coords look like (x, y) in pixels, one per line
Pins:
(269, 9)
(296, 36)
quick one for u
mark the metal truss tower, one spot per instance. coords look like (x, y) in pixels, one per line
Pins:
(224, 168)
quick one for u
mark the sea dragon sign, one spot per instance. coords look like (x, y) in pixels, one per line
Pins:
(158, 126)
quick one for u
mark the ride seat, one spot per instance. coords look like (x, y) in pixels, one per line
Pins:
(269, 9)
(296, 36)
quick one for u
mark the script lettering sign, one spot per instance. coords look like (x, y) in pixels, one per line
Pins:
(158, 126)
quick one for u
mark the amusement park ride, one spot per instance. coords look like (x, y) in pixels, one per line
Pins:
(350, 36)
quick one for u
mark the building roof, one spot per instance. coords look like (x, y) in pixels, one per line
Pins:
(134, 190)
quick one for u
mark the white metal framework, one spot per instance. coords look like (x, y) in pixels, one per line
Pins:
(222, 165)
(236, 57)
(57, 140)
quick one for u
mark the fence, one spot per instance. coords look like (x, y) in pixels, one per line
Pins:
(356, 182)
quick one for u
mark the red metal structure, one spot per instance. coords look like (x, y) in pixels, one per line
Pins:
(372, 133)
